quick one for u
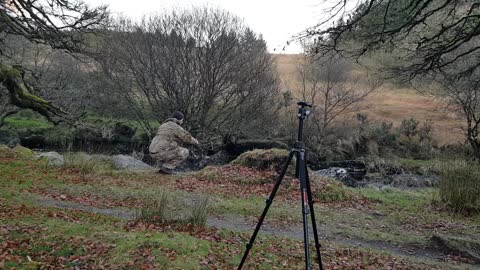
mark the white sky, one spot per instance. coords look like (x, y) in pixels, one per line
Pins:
(276, 20)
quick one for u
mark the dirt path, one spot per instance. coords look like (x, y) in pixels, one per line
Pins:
(241, 224)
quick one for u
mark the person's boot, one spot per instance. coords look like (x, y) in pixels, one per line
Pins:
(164, 170)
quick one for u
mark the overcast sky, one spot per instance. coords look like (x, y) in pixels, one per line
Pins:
(276, 20)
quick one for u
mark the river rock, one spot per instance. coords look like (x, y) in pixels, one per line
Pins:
(53, 158)
(340, 174)
(124, 162)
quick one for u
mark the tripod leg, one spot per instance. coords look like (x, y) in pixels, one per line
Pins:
(304, 193)
(265, 210)
(314, 223)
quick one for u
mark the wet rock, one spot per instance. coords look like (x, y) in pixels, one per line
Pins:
(220, 158)
(340, 174)
(54, 159)
(356, 169)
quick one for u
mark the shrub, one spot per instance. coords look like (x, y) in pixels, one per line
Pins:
(459, 186)
(409, 127)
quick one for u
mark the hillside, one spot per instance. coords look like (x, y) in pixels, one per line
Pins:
(393, 104)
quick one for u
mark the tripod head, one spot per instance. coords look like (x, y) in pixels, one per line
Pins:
(304, 104)
(302, 114)
(302, 111)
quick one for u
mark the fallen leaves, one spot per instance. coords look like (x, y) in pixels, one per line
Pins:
(24, 245)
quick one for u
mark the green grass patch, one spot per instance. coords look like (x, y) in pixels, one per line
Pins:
(23, 123)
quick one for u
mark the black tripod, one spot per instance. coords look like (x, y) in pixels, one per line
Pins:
(305, 190)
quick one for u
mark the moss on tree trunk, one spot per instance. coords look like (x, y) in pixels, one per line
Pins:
(20, 96)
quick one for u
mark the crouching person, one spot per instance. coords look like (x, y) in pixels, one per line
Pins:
(166, 146)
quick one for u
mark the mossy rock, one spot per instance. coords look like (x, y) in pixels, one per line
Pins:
(17, 152)
(23, 152)
(265, 160)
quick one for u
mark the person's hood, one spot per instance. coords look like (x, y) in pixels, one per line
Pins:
(175, 120)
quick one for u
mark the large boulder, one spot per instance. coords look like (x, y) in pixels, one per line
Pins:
(129, 163)
(54, 159)
(265, 160)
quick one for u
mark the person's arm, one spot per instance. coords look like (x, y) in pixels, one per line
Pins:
(185, 136)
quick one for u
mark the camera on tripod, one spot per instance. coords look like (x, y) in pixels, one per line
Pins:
(301, 172)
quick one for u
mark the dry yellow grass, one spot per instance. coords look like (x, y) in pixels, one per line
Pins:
(392, 104)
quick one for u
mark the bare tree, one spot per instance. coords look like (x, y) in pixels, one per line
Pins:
(329, 85)
(429, 34)
(203, 62)
(463, 96)
(59, 24)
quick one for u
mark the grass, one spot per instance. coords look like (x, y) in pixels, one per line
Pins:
(63, 239)
(389, 103)
(68, 232)
(163, 210)
(199, 214)
(459, 187)
(331, 191)
(156, 210)
(86, 164)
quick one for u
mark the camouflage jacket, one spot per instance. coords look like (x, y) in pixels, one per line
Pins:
(170, 135)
